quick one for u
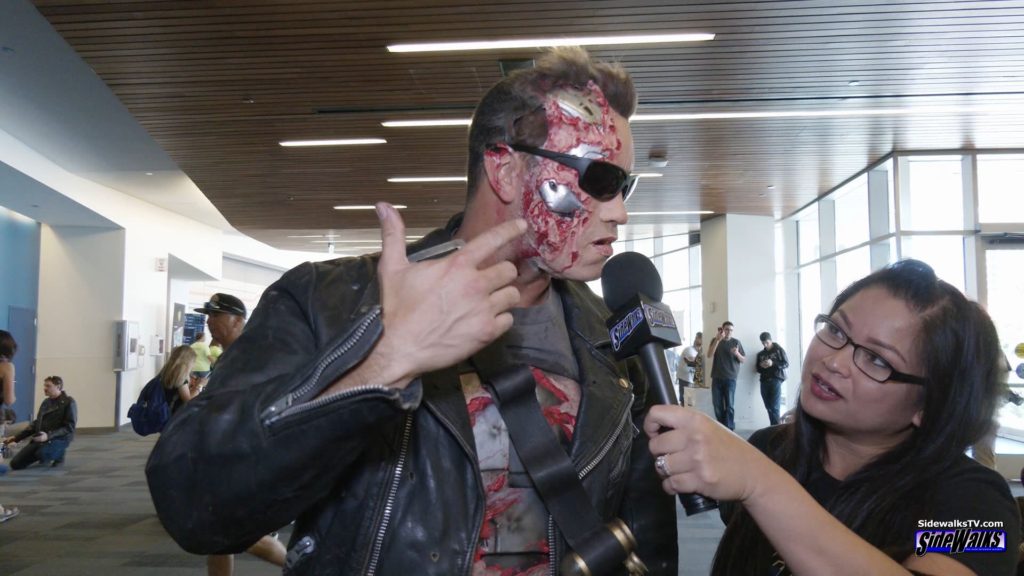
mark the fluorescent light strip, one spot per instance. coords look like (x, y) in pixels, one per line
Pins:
(549, 42)
(335, 142)
(816, 113)
(367, 207)
(411, 179)
(370, 243)
(648, 174)
(753, 114)
(671, 213)
(422, 123)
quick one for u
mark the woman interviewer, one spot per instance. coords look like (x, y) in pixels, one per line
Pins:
(902, 376)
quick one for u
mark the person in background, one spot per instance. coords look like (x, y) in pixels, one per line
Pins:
(902, 375)
(367, 420)
(771, 366)
(698, 368)
(203, 356)
(8, 347)
(727, 353)
(225, 319)
(684, 374)
(174, 376)
(52, 430)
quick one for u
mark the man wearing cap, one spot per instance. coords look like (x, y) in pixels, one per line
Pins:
(771, 365)
(225, 318)
(368, 419)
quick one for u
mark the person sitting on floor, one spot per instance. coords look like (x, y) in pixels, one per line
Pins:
(51, 432)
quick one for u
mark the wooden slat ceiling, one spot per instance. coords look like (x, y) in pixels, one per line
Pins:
(219, 83)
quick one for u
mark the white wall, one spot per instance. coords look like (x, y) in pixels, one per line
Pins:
(147, 233)
(81, 282)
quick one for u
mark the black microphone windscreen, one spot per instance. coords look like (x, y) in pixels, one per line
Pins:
(627, 274)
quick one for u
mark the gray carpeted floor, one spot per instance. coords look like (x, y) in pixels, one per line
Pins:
(93, 517)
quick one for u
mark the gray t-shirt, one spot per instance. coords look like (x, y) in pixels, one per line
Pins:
(513, 537)
(726, 364)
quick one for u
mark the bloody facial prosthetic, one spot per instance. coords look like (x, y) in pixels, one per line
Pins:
(580, 124)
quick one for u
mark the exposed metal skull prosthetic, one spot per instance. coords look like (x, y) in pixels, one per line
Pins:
(580, 123)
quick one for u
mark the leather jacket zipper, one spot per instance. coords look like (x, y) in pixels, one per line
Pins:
(284, 407)
(389, 504)
(605, 448)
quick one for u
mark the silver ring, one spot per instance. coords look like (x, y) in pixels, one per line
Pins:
(661, 463)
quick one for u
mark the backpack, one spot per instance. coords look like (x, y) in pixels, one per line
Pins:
(150, 412)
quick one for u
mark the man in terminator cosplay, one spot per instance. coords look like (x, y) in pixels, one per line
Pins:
(351, 402)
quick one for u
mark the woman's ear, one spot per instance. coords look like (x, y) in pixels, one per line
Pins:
(501, 170)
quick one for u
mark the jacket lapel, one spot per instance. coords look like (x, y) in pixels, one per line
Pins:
(606, 394)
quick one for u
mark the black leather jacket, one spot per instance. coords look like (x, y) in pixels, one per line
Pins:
(380, 482)
(57, 417)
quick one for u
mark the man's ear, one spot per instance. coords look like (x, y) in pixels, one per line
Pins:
(916, 419)
(500, 168)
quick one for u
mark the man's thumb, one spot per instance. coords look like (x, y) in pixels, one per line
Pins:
(392, 236)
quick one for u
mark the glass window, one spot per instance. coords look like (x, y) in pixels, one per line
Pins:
(675, 267)
(644, 246)
(943, 253)
(810, 303)
(852, 266)
(1005, 287)
(807, 234)
(935, 197)
(1000, 188)
(696, 317)
(851, 209)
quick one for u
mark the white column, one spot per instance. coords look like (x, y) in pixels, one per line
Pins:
(738, 281)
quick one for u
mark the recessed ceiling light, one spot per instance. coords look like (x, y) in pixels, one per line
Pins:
(549, 42)
(853, 83)
(408, 179)
(771, 186)
(335, 142)
(367, 207)
(671, 213)
(421, 123)
(149, 173)
(648, 174)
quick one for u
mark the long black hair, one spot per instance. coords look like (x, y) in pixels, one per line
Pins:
(7, 344)
(962, 361)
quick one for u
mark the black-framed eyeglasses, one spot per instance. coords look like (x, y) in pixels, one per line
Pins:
(865, 359)
(602, 180)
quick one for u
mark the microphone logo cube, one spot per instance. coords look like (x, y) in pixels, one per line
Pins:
(641, 321)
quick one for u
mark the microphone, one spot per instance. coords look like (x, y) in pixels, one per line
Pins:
(641, 325)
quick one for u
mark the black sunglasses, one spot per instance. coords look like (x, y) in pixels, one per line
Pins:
(602, 180)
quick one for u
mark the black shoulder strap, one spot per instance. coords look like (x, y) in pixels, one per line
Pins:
(545, 460)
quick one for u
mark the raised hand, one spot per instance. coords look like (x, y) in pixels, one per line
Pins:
(439, 312)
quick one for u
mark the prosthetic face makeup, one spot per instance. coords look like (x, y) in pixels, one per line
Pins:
(570, 233)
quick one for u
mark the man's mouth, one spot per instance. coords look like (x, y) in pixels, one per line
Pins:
(604, 245)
